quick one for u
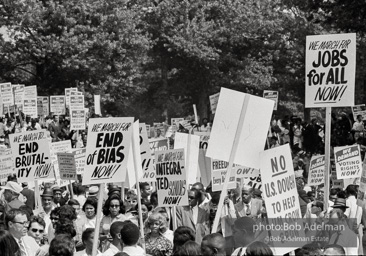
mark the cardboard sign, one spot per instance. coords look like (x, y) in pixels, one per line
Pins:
(79, 155)
(271, 95)
(6, 167)
(171, 178)
(253, 132)
(39, 106)
(359, 110)
(57, 105)
(219, 169)
(107, 149)
(175, 123)
(97, 109)
(77, 119)
(158, 145)
(254, 182)
(147, 163)
(55, 148)
(67, 166)
(67, 96)
(213, 102)
(361, 195)
(245, 172)
(204, 138)
(330, 70)
(31, 154)
(18, 95)
(316, 170)
(191, 147)
(30, 101)
(6, 93)
(43, 105)
(348, 162)
(161, 128)
(77, 102)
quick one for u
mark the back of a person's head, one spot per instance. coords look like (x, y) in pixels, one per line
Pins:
(189, 248)
(130, 234)
(8, 245)
(342, 194)
(67, 212)
(65, 226)
(61, 245)
(121, 254)
(309, 249)
(333, 192)
(182, 235)
(351, 190)
(334, 249)
(86, 234)
(116, 228)
(72, 202)
(215, 241)
(258, 249)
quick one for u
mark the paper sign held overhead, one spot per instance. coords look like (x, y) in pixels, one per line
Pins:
(107, 151)
(316, 170)
(330, 70)
(359, 110)
(348, 162)
(213, 102)
(57, 105)
(271, 95)
(219, 169)
(66, 165)
(147, 163)
(253, 132)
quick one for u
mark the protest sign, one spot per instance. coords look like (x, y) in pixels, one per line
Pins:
(134, 162)
(66, 166)
(148, 130)
(245, 172)
(271, 95)
(280, 194)
(159, 130)
(175, 123)
(254, 182)
(204, 138)
(204, 165)
(31, 154)
(6, 166)
(330, 70)
(253, 132)
(213, 102)
(43, 105)
(361, 194)
(77, 119)
(55, 148)
(316, 170)
(57, 105)
(77, 102)
(97, 109)
(79, 160)
(30, 101)
(359, 110)
(147, 163)
(67, 95)
(171, 178)
(348, 162)
(219, 169)
(190, 144)
(107, 149)
(18, 95)
(39, 106)
(158, 145)
(6, 93)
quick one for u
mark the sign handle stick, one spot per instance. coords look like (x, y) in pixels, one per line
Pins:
(174, 212)
(123, 192)
(37, 195)
(195, 113)
(71, 189)
(138, 194)
(230, 166)
(328, 113)
(97, 222)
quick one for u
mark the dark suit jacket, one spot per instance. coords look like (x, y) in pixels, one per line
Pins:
(185, 218)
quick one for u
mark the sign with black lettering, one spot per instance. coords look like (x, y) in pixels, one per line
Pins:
(171, 178)
(218, 173)
(66, 166)
(77, 119)
(348, 162)
(107, 150)
(31, 155)
(316, 170)
(271, 95)
(79, 160)
(147, 163)
(330, 70)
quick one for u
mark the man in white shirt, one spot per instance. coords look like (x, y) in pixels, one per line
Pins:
(116, 244)
(354, 212)
(358, 127)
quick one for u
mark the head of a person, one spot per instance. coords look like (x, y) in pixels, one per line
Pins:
(273, 140)
(12, 190)
(74, 204)
(57, 194)
(62, 245)
(342, 194)
(199, 186)
(205, 121)
(8, 245)
(258, 248)
(65, 226)
(115, 231)
(351, 190)
(359, 118)
(36, 228)
(80, 189)
(154, 198)
(336, 215)
(156, 222)
(243, 231)
(158, 132)
(55, 216)
(131, 200)
(145, 208)
(213, 244)
(189, 248)
(56, 118)
(300, 183)
(194, 197)
(313, 249)
(47, 201)
(334, 249)
(333, 194)
(182, 235)
(317, 207)
(88, 237)
(145, 189)
(113, 206)
(67, 212)
(130, 234)
(311, 195)
(90, 207)
(17, 222)
(246, 194)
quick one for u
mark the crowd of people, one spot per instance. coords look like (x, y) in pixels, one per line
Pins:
(65, 222)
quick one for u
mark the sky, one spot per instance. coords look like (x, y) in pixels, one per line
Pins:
(3, 32)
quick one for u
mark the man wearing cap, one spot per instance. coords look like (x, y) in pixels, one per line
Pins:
(250, 207)
(47, 204)
(11, 194)
(57, 196)
(93, 191)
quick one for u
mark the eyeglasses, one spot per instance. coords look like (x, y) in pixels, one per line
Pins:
(34, 230)
(25, 223)
(114, 206)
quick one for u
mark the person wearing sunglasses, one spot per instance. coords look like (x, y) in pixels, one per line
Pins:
(37, 229)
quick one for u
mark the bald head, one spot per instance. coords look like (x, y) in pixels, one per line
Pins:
(199, 186)
(213, 244)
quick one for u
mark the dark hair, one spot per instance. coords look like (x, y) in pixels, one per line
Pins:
(27, 210)
(106, 206)
(310, 193)
(336, 247)
(92, 201)
(72, 202)
(130, 234)
(351, 190)
(142, 185)
(65, 226)
(61, 245)
(10, 215)
(67, 212)
(319, 204)
(38, 220)
(148, 205)
(333, 192)
(80, 189)
(189, 248)
(341, 194)
(197, 193)
(258, 249)
(121, 254)
(86, 234)
(8, 245)
(55, 211)
(12, 177)
(182, 235)
(116, 228)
